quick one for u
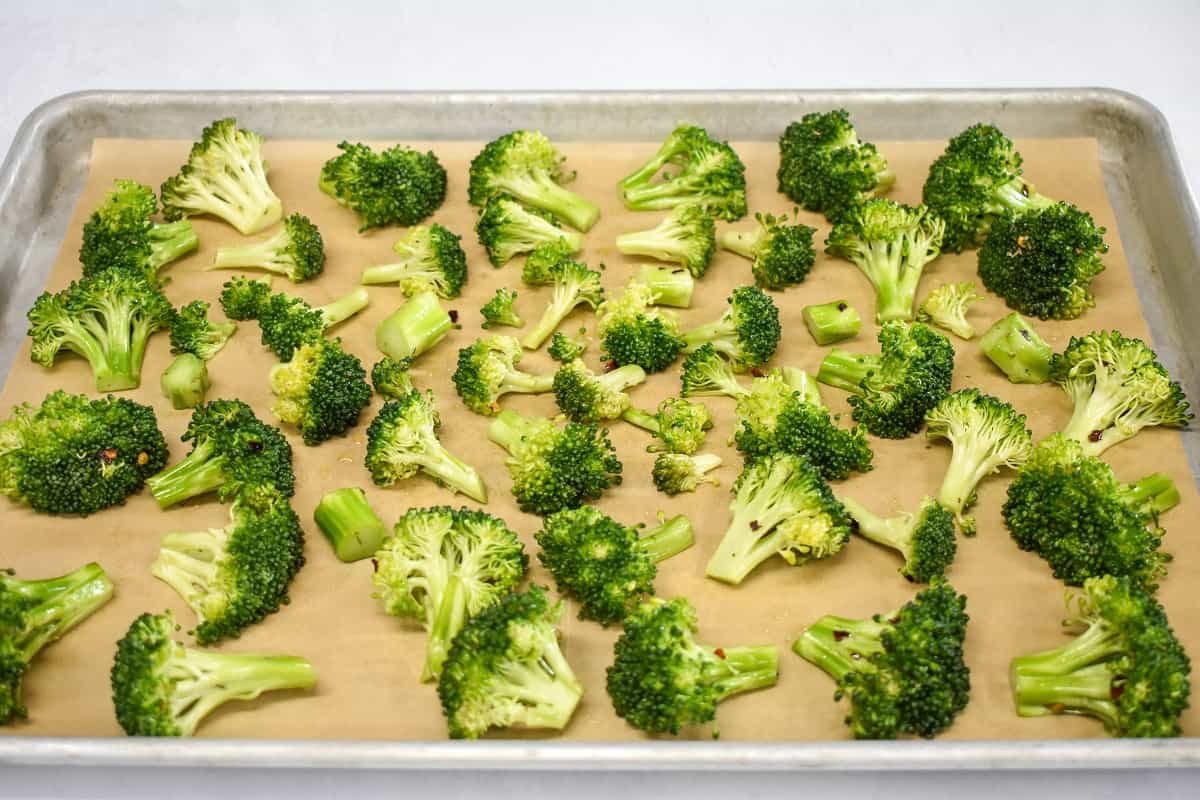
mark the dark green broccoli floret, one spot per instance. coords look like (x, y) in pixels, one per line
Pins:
(633, 331)
(573, 285)
(975, 181)
(297, 251)
(506, 229)
(442, 567)
(185, 381)
(662, 679)
(947, 305)
(244, 298)
(226, 176)
(669, 286)
(678, 424)
(525, 165)
(391, 378)
(1071, 509)
(72, 455)
(431, 260)
(1125, 667)
(891, 391)
(349, 523)
(414, 327)
(107, 319)
(398, 186)
(781, 506)
(986, 434)
(499, 310)
(34, 613)
(555, 468)
(674, 473)
(287, 322)
(192, 331)
(903, 672)
(161, 688)
(235, 576)
(833, 322)
(403, 439)
(233, 453)
(1017, 349)
(686, 236)
(564, 349)
(781, 250)
(321, 391)
(706, 373)
(584, 396)
(747, 333)
(925, 538)
(605, 565)
(824, 166)
(1117, 387)
(122, 235)
(506, 670)
(700, 171)
(487, 370)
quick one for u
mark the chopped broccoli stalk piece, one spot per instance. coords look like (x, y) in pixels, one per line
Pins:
(499, 310)
(564, 349)
(584, 396)
(321, 391)
(399, 186)
(947, 306)
(185, 381)
(1017, 349)
(487, 370)
(633, 331)
(162, 688)
(391, 377)
(297, 251)
(525, 165)
(225, 176)
(781, 250)
(506, 229)
(34, 613)
(122, 235)
(903, 672)
(686, 236)
(1125, 667)
(573, 285)
(680, 425)
(747, 333)
(669, 286)
(662, 679)
(192, 332)
(926, 538)
(830, 323)
(706, 373)
(781, 507)
(350, 524)
(674, 473)
(707, 173)
(413, 328)
(431, 260)
(245, 298)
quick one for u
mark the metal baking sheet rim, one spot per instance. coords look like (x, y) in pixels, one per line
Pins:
(1124, 120)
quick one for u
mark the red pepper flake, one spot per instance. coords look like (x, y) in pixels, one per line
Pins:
(719, 653)
(375, 565)
(754, 525)
(610, 365)
(1095, 436)
(756, 372)
(1056, 708)
(453, 314)
(1026, 336)
(108, 455)
(841, 306)
(839, 635)
(1117, 690)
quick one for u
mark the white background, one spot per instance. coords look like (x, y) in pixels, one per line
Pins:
(51, 47)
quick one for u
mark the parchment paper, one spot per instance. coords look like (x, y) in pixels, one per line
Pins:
(369, 662)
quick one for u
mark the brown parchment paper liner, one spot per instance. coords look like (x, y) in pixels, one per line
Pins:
(369, 662)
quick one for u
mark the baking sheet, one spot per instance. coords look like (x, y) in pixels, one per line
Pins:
(369, 662)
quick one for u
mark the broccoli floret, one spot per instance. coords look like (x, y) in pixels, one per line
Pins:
(986, 434)
(506, 670)
(391, 378)
(499, 310)
(399, 186)
(1125, 667)
(185, 381)
(925, 538)
(403, 439)
(975, 181)
(122, 235)
(244, 298)
(674, 473)
(891, 244)
(747, 333)
(525, 165)
(1071, 509)
(192, 331)
(162, 688)
(349, 523)
(669, 286)
(662, 679)
(830, 323)
(781, 506)
(1117, 387)
(1017, 349)
(573, 285)
(72, 455)
(1042, 263)
(700, 171)
(903, 672)
(824, 166)
(633, 331)
(781, 250)
(441, 567)
(235, 576)
(225, 176)
(297, 251)
(287, 322)
(555, 468)
(431, 260)
(234, 454)
(487, 370)
(892, 391)
(34, 613)
(321, 391)
(686, 236)
(947, 305)
(107, 319)
(584, 396)
(706, 373)
(506, 229)
(608, 567)
(678, 424)
(564, 349)
(414, 327)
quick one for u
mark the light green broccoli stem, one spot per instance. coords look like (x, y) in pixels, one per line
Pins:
(844, 370)
(1154, 494)
(894, 532)
(185, 381)
(830, 323)
(743, 669)
(718, 332)
(509, 429)
(654, 244)
(61, 604)
(548, 690)
(561, 304)
(744, 243)
(642, 419)
(968, 466)
(668, 539)
(413, 328)
(448, 620)
(744, 545)
(344, 307)
(803, 383)
(668, 286)
(269, 254)
(450, 470)
(1018, 350)
(198, 473)
(1020, 197)
(541, 192)
(350, 524)
(1087, 691)
(839, 645)
(205, 680)
(190, 563)
(169, 241)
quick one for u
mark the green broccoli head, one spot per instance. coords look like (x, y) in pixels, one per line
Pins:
(675, 473)
(926, 538)
(487, 370)
(245, 298)
(781, 250)
(564, 349)
(947, 306)
(633, 331)
(431, 260)
(679, 425)
(506, 229)
(747, 333)
(193, 332)
(398, 186)
(499, 310)
(321, 391)
(686, 236)
(297, 252)
(391, 378)
(286, 322)
(121, 234)
(584, 396)
(525, 165)
(699, 171)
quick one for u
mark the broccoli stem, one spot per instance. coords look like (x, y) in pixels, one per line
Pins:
(562, 303)
(842, 369)
(1154, 494)
(437, 461)
(262, 255)
(448, 620)
(839, 645)
(62, 603)
(668, 539)
(540, 191)
(744, 546)
(968, 466)
(1019, 197)
(185, 381)
(1097, 643)
(653, 196)
(1088, 691)
(413, 328)
(830, 323)
(547, 691)
(344, 307)
(1018, 350)
(720, 333)
(653, 244)
(744, 243)
(206, 680)
(648, 170)
(350, 524)
(742, 669)
(894, 532)
(668, 286)
(187, 563)
(169, 241)
(509, 428)
(198, 473)
(642, 419)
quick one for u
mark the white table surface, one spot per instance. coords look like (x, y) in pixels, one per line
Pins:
(50, 47)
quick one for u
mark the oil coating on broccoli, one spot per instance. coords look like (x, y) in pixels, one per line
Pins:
(686, 236)
(431, 259)
(747, 333)
(487, 370)
(679, 425)
(584, 396)
(297, 252)
(780, 250)
(633, 331)
(398, 186)
(689, 168)
(321, 391)
(122, 235)
(193, 332)
(926, 538)
(947, 305)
